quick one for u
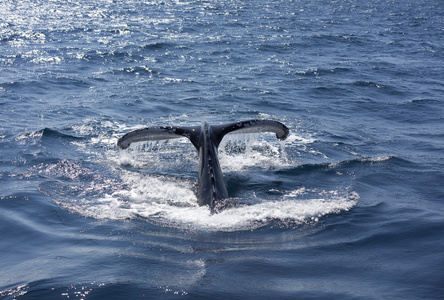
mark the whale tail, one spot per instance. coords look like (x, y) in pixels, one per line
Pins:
(193, 133)
(206, 139)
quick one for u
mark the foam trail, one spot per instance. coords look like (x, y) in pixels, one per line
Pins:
(172, 202)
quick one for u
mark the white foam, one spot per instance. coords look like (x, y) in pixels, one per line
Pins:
(172, 202)
(199, 218)
(142, 185)
(377, 159)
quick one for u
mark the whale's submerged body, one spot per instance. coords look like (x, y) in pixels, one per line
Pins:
(206, 138)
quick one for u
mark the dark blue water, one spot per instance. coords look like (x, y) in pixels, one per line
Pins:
(350, 206)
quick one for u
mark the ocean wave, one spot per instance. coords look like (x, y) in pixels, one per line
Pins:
(158, 46)
(329, 166)
(35, 88)
(137, 70)
(45, 133)
(16, 291)
(316, 72)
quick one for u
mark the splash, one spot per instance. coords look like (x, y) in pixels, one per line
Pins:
(156, 182)
(239, 152)
(171, 202)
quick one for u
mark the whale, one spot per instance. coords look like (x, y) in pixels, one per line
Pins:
(211, 187)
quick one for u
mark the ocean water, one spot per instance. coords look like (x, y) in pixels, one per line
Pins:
(350, 206)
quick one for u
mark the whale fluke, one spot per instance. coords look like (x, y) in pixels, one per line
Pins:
(206, 138)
